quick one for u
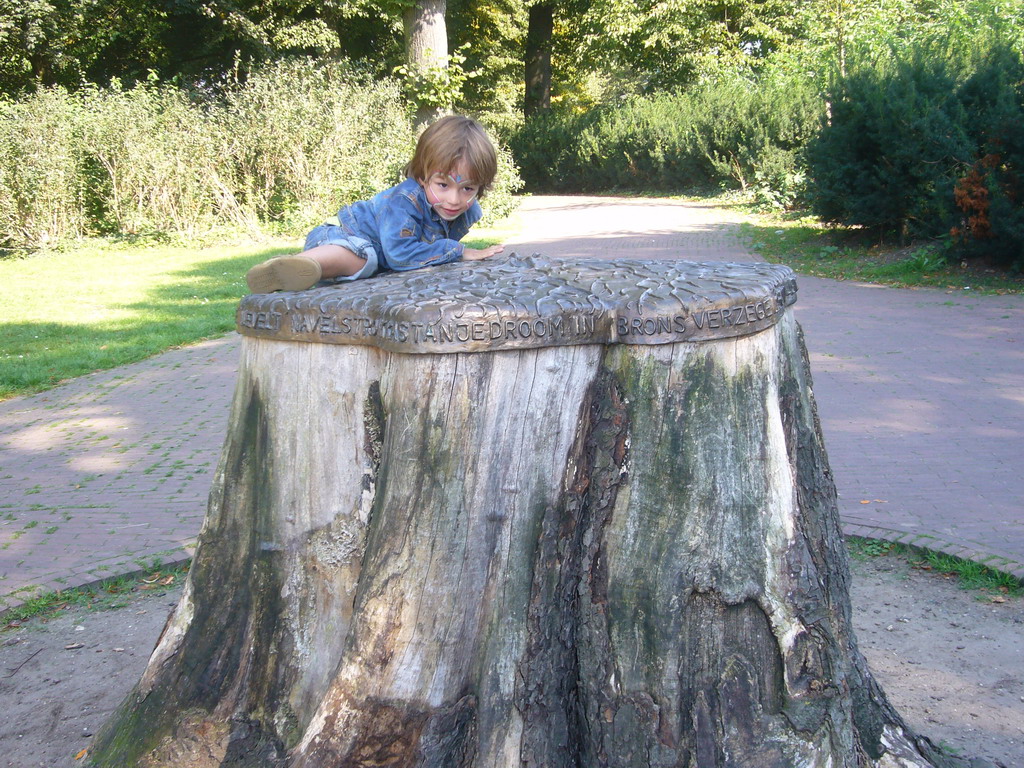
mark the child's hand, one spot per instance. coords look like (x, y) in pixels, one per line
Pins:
(476, 254)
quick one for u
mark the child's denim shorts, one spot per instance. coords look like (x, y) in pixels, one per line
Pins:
(332, 234)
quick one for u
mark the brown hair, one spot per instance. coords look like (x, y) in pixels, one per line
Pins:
(449, 141)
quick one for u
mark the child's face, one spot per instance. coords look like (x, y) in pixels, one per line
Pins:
(450, 192)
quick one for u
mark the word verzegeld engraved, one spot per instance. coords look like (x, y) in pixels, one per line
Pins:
(530, 302)
(734, 316)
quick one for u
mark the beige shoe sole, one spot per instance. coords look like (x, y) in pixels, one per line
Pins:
(287, 273)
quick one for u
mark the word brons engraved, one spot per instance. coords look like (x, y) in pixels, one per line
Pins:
(522, 302)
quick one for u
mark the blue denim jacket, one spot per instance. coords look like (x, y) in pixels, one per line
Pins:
(405, 230)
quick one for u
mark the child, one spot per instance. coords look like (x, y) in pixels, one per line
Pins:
(417, 223)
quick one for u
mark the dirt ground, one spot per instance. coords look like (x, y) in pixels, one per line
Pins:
(951, 661)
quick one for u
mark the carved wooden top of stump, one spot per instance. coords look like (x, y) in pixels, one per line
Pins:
(522, 302)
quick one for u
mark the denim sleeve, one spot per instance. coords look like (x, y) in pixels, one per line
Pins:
(461, 226)
(409, 240)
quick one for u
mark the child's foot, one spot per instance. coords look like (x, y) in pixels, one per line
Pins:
(285, 273)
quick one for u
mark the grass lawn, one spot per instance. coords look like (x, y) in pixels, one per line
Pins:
(813, 248)
(72, 312)
(68, 313)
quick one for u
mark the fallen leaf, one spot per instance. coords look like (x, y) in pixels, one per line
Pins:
(997, 599)
(169, 580)
(82, 754)
(881, 501)
(865, 501)
(73, 646)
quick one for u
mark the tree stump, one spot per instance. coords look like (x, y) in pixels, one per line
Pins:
(522, 513)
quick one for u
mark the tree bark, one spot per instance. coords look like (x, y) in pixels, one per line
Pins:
(426, 44)
(564, 556)
(540, 30)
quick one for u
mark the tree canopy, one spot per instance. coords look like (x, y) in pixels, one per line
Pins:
(599, 49)
(775, 97)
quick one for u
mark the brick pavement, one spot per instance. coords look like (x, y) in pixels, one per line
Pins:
(106, 474)
(921, 395)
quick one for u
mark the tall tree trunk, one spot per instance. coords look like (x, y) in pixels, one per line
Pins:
(599, 531)
(538, 58)
(426, 44)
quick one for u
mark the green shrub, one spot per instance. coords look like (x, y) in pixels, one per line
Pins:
(643, 144)
(646, 144)
(929, 146)
(42, 184)
(734, 132)
(283, 150)
(753, 131)
(306, 139)
(886, 157)
(156, 162)
(543, 147)
(501, 199)
(989, 193)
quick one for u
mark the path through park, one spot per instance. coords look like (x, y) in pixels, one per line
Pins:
(921, 395)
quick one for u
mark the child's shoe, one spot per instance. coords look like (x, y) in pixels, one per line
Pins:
(285, 273)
